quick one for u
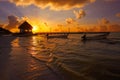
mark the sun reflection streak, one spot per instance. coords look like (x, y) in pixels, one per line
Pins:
(15, 43)
(36, 45)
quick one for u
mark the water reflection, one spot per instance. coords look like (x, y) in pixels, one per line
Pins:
(5, 49)
(23, 65)
(15, 42)
(70, 57)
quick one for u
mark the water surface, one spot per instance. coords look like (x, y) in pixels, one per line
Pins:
(38, 58)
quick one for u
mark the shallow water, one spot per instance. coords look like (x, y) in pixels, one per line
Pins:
(70, 59)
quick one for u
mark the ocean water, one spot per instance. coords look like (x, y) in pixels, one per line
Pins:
(74, 59)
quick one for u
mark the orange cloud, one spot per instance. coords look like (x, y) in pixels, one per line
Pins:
(114, 28)
(106, 25)
(1, 25)
(70, 20)
(79, 14)
(54, 4)
(104, 21)
(118, 15)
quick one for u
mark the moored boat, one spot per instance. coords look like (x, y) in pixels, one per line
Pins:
(96, 37)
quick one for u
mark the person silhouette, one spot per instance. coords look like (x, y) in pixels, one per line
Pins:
(84, 37)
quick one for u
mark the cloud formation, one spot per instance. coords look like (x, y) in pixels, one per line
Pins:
(104, 21)
(54, 4)
(1, 25)
(79, 14)
(45, 23)
(13, 22)
(114, 28)
(118, 15)
(106, 25)
(70, 20)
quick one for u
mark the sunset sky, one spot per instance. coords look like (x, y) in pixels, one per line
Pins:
(58, 15)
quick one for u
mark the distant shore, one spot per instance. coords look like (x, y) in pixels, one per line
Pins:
(44, 33)
(61, 33)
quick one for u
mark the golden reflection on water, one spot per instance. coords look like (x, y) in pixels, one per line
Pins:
(22, 49)
(36, 43)
(15, 43)
(31, 66)
(41, 48)
(44, 49)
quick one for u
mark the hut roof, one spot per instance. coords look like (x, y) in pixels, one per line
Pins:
(25, 25)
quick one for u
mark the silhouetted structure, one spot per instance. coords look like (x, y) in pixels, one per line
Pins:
(25, 27)
(96, 37)
(4, 31)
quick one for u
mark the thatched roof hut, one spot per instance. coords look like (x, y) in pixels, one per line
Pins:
(25, 27)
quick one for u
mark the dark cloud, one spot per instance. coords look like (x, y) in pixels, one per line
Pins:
(79, 14)
(45, 23)
(13, 22)
(54, 4)
(4, 0)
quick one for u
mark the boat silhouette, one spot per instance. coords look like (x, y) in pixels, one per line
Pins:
(96, 37)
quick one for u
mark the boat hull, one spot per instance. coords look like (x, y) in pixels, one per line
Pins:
(97, 37)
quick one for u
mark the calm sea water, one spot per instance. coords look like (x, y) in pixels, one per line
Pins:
(74, 59)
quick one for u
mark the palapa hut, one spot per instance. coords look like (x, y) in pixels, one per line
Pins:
(25, 27)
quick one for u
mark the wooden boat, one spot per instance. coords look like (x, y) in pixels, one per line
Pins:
(57, 36)
(96, 37)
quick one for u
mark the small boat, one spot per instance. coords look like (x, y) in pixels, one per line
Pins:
(57, 36)
(96, 37)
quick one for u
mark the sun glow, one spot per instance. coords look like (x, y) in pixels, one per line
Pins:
(35, 29)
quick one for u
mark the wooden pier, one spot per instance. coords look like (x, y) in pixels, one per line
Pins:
(70, 33)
